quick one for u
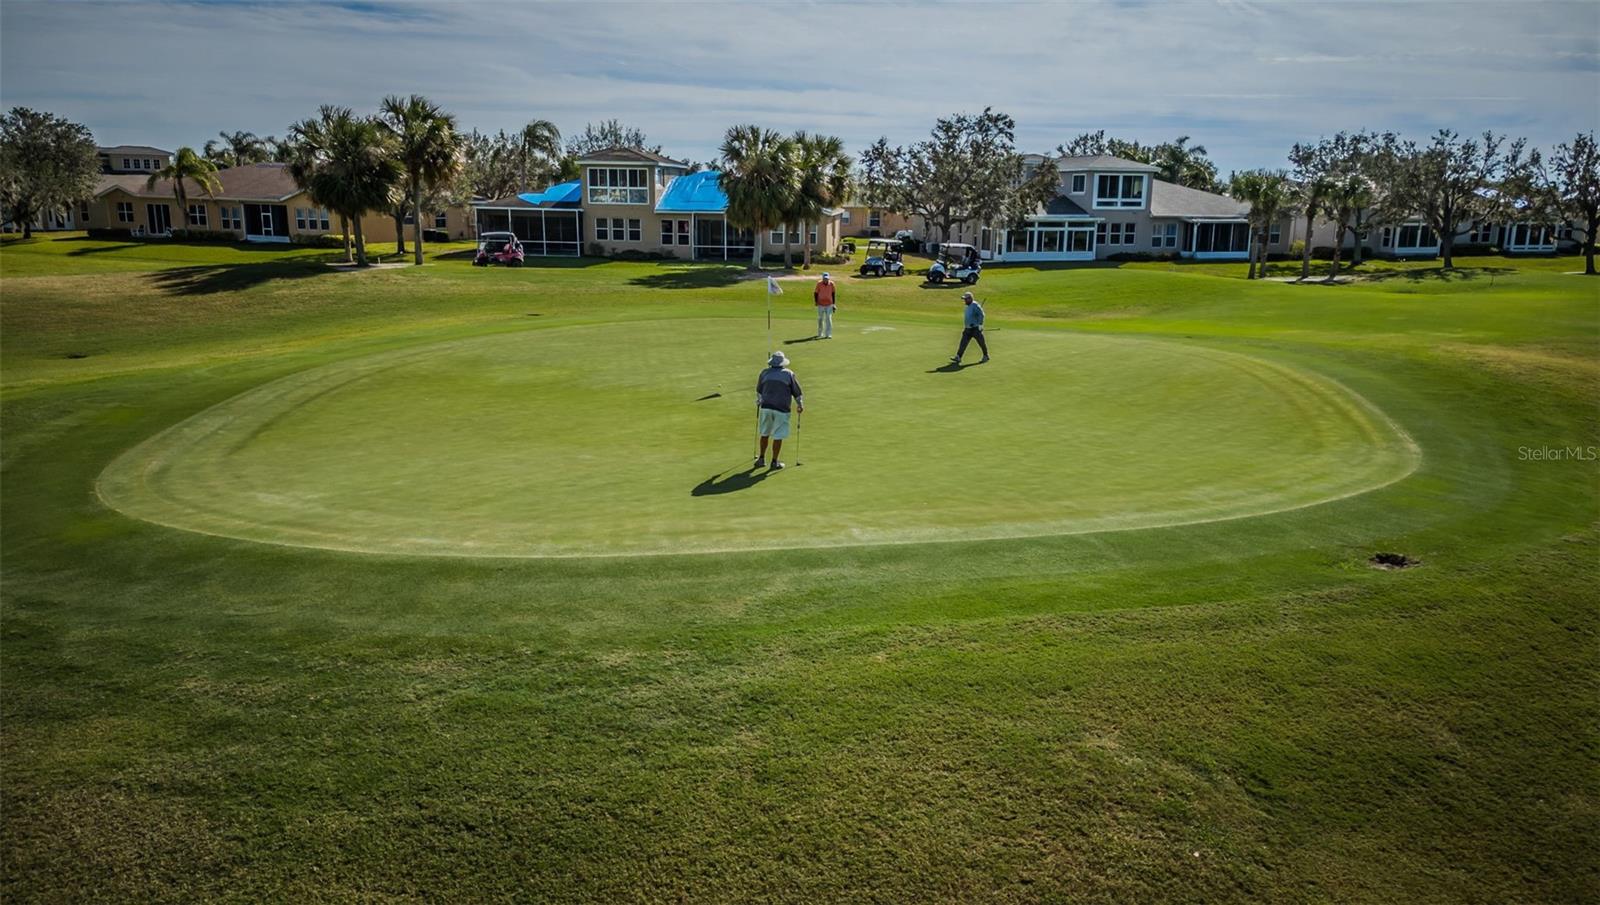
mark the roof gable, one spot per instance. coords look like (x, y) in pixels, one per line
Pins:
(629, 155)
(255, 182)
(1104, 162)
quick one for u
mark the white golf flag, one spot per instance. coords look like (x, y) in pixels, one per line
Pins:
(772, 286)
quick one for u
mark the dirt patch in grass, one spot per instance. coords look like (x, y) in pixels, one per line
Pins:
(1391, 561)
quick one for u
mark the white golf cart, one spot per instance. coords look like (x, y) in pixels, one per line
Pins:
(883, 259)
(956, 261)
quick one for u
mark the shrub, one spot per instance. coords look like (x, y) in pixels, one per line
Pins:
(634, 254)
(1297, 248)
(205, 235)
(596, 250)
(105, 233)
(321, 240)
(435, 235)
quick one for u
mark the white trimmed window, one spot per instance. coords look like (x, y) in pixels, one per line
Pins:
(1387, 237)
(683, 232)
(83, 213)
(846, 216)
(197, 215)
(1079, 183)
(635, 231)
(811, 237)
(666, 232)
(875, 219)
(1164, 235)
(1416, 235)
(1114, 233)
(775, 237)
(1275, 234)
(124, 211)
(127, 164)
(1482, 234)
(619, 185)
(231, 217)
(299, 218)
(323, 218)
(602, 228)
(1119, 190)
(441, 220)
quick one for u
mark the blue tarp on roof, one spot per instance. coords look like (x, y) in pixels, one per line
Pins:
(695, 193)
(565, 193)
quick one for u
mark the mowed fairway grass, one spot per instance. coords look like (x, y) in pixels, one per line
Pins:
(444, 584)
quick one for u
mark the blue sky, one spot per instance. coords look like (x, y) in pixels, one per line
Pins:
(1244, 78)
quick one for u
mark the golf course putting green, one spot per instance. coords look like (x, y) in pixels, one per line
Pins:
(611, 439)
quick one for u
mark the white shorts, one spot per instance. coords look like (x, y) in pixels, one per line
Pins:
(774, 424)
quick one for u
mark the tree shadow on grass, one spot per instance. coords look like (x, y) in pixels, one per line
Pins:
(1435, 274)
(730, 482)
(691, 276)
(212, 279)
(101, 249)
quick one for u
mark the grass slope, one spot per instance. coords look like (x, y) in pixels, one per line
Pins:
(1237, 710)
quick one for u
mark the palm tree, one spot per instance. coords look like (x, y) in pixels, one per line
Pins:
(346, 163)
(1348, 196)
(1268, 193)
(1312, 199)
(1185, 165)
(186, 164)
(539, 140)
(823, 180)
(758, 177)
(236, 149)
(428, 148)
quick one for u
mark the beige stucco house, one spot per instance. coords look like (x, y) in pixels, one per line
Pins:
(632, 200)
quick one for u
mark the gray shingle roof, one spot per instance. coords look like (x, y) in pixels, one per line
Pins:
(630, 155)
(1103, 162)
(133, 149)
(1170, 200)
(256, 182)
(1062, 206)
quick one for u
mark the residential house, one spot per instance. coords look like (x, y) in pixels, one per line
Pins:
(255, 202)
(863, 221)
(628, 199)
(1110, 205)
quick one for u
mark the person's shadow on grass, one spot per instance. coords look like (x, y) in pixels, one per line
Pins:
(730, 481)
(803, 339)
(949, 367)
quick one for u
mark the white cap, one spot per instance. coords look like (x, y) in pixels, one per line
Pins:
(824, 274)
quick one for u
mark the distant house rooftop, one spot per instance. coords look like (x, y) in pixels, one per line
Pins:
(1104, 162)
(630, 155)
(133, 149)
(255, 182)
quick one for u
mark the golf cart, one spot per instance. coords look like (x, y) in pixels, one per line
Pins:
(956, 261)
(498, 248)
(883, 258)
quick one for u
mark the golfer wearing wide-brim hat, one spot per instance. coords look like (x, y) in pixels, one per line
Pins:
(776, 389)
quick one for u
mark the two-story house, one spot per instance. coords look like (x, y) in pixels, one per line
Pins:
(133, 159)
(629, 199)
(1109, 205)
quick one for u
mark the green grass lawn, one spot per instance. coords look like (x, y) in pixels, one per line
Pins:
(1091, 622)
